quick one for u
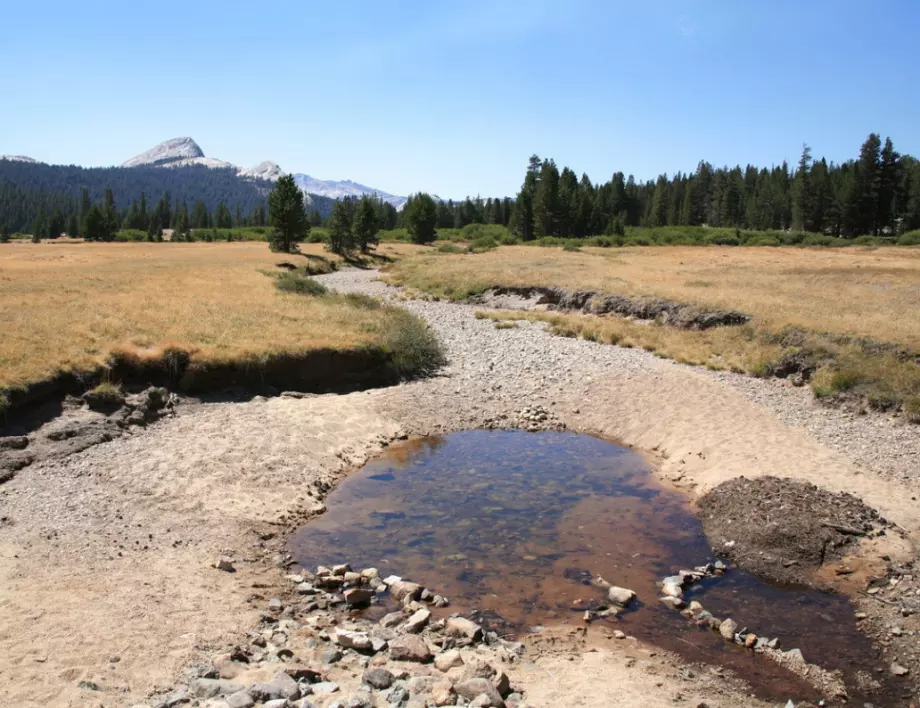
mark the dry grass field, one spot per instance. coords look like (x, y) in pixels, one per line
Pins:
(869, 293)
(68, 307)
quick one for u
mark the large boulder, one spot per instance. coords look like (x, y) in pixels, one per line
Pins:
(463, 628)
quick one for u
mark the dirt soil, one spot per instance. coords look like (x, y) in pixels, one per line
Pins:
(785, 530)
(106, 555)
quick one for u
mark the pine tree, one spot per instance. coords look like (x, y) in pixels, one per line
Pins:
(889, 180)
(94, 225)
(868, 182)
(341, 235)
(365, 224)
(802, 198)
(546, 202)
(288, 216)
(110, 214)
(39, 226)
(421, 218)
(5, 233)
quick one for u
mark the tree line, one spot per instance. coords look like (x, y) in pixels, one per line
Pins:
(876, 194)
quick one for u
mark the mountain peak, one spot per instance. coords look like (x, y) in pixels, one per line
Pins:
(267, 170)
(176, 150)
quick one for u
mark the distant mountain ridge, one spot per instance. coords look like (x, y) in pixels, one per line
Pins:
(185, 151)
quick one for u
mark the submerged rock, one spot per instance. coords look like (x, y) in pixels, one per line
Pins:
(620, 596)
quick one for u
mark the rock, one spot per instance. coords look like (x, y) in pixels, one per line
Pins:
(358, 597)
(410, 647)
(305, 589)
(502, 683)
(241, 699)
(352, 702)
(14, 442)
(728, 628)
(695, 607)
(303, 673)
(209, 688)
(402, 589)
(330, 656)
(370, 573)
(279, 703)
(282, 686)
(675, 603)
(750, 640)
(464, 628)
(398, 696)
(599, 582)
(341, 569)
(672, 590)
(620, 596)
(417, 622)
(378, 678)
(795, 655)
(378, 644)
(225, 563)
(325, 688)
(349, 639)
(899, 670)
(475, 687)
(173, 699)
(275, 605)
(391, 579)
(442, 694)
(448, 660)
(477, 668)
(421, 684)
(391, 620)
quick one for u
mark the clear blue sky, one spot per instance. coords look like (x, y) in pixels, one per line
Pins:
(452, 98)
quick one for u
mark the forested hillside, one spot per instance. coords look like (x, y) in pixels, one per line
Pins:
(877, 193)
(36, 194)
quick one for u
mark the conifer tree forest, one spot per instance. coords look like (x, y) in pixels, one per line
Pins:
(877, 194)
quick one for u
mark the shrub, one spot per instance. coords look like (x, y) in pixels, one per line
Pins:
(912, 409)
(482, 243)
(449, 248)
(911, 238)
(570, 246)
(361, 301)
(293, 282)
(413, 347)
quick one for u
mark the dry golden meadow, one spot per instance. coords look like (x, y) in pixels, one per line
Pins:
(869, 293)
(68, 306)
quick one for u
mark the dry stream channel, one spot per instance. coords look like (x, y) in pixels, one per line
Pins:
(513, 526)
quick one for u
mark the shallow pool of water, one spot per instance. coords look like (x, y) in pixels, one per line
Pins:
(511, 524)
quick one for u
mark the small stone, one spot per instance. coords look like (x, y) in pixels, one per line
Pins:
(750, 640)
(378, 678)
(393, 619)
(448, 660)
(675, 603)
(340, 570)
(409, 647)
(417, 622)
(421, 684)
(795, 655)
(897, 631)
(325, 688)
(620, 596)
(502, 683)
(391, 579)
(225, 563)
(358, 597)
(210, 688)
(773, 643)
(332, 655)
(472, 688)
(403, 589)
(278, 703)
(275, 605)
(370, 573)
(241, 699)
(695, 607)
(899, 670)
(619, 634)
(305, 589)
(398, 696)
(464, 628)
(348, 639)
(727, 628)
(442, 693)
(378, 644)
(672, 590)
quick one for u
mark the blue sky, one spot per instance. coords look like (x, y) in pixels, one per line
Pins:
(453, 98)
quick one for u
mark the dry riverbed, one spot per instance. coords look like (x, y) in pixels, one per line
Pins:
(107, 590)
